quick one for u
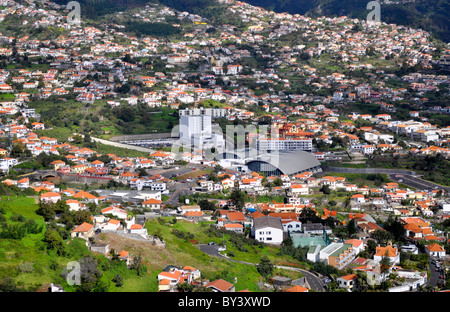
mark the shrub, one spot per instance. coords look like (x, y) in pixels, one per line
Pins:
(118, 280)
(182, 235)
(265, 267)
(25, 267)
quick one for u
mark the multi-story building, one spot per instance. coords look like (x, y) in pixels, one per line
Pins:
(268, 229)
(278, 144)
(196, 130)
(338, 255)
(213, 112)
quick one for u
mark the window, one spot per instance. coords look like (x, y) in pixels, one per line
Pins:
(268, 232)
(269, 238)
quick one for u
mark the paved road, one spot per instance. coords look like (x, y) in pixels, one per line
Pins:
(408, 177)
(314, 281)
(132, 147)
(435, 274)
(368, 170)
(185, 190)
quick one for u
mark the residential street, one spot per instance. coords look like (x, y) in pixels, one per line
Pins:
(435, 273)
(314, 281)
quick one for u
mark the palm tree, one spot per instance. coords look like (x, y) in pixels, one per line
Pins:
(385, 265)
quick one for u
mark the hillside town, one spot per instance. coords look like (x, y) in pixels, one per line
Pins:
(350, 182)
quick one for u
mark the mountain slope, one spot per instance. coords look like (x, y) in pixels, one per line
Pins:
(430, 15)
(93, 8)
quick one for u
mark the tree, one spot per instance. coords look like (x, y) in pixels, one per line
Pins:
(287, 247)
(118, 280)
(18, 150)
(370, 249)
(206, 205)
(325, 189)
(237, 198)
(395, 227)
(382, 236)
(361, 284)
(185, 287)
(8, 285)
(90, 274)
(76, 248)
(77, 139)
(80, 217)
(309, 215)
(138, 265)
(54, 241)
(277, 182)
(351, 227)
(265, 267)
(385, 264)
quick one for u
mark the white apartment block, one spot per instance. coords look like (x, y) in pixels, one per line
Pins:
(194, 125)
(298, 144)
(213, 112)
(196, 130)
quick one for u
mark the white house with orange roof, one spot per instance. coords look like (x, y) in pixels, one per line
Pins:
(333, 182)
(75, 205)
(23, 183)
(57, 164)
(171, 276)
(435, 250)
(368, 149)
(97, 164)
(385, 117)
(52, 197)
(347, 281)
(389, 252)
(299, 189)
(84, 230)
(111, 225)
(289, 221)
(358, 245)
(359, 198)
(227, 183)
(220, 285)
(138, 229)
(152, 203)
(235, 227)
(115, 211)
